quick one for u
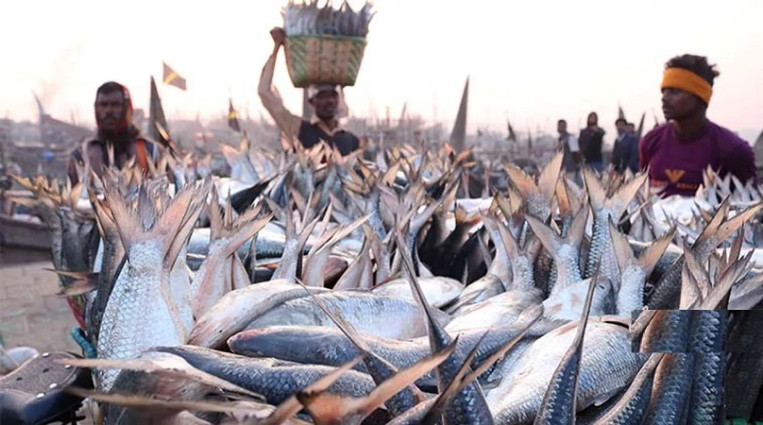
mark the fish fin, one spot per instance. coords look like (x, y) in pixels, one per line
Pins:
(522, 182)
(405, 378)
(736, 246)
(166, 363)
(82, 282)
(596, 194)
(239, 275)
(179, 219)
(243, 233)
(215, 216)
(695, 277)
(649, 258)
(435, 328)
(484, 252)
(713, 225)
(461, 216)
(126, 222)
(547, 182)
(569, 366)
(435, 411)
(508, 241)
(562, 199)
(526, 319)
(103, 216)
(577, 229)
(147, 213)
(718, 297)
(623, 251)
(728, 228)
(625, 194)
(353, 276)
(294, 404)
(147, 402)
(548, 238)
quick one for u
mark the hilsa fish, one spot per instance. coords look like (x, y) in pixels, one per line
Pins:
(142, 312)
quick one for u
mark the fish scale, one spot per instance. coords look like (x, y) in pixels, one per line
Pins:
(136, 302)
(607, 366)
(670, 394)
(601, 253)
(631, 407)
(708, 329)
(275, 379)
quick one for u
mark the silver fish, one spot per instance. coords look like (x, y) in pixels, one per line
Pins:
(141, 297)
(363, 310)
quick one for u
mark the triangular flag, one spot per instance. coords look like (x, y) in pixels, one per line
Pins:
(512, 135)
(157, 123)
(458, 136)
(640, 130)
(233, 118)
(620, 112)
(171, 77)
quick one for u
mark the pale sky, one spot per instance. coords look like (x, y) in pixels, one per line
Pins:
(531, 61)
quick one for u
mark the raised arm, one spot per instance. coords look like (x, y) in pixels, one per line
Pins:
(271, 100)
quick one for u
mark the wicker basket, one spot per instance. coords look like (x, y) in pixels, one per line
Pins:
(324, 59)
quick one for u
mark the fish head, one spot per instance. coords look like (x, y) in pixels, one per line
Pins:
(282, 342)
(603, 298)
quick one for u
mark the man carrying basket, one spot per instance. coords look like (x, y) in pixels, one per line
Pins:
(323, 98)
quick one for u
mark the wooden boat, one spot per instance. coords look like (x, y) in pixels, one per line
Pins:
(21, 230)
(17, 232)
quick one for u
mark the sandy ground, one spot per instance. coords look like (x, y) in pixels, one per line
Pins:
(30, 311)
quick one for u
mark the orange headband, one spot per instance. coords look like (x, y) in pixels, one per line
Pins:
(679, 78)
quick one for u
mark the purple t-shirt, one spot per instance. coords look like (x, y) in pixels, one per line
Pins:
(677, 165)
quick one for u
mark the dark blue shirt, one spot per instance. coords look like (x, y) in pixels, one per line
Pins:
(625, 153)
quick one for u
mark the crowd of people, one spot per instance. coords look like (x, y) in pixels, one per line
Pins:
(675, 154)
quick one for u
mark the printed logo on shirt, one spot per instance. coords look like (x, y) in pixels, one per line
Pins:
(674, 175)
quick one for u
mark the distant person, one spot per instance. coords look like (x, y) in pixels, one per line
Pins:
(568, 143)
(113, 116)
(325, 100)
(678, 151)
(591, 142)
(625, 151)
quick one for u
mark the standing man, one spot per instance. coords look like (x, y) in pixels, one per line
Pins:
(568, 143)
(591, 142)
(325, 100)
(625, 152)
(678, 151)
(113, 116)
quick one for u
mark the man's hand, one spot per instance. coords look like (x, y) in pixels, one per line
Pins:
(278, 35)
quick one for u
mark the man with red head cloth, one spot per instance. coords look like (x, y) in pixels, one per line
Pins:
(113, 115)
(679, 151)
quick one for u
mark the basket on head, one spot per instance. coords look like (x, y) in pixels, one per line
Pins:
(323, 59)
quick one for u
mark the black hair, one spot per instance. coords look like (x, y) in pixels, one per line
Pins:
(621, 120)
(561, 121)
(109, 87)
(696, 64)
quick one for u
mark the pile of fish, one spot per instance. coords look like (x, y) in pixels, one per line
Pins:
(307, 18)
(329, 289)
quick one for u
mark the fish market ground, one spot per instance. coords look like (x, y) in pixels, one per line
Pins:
(30, 311)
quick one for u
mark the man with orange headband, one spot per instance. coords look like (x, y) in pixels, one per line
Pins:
(113, 116)
(679, 151)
